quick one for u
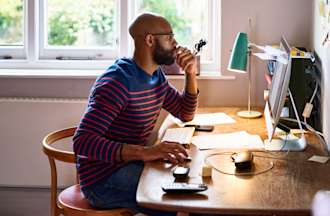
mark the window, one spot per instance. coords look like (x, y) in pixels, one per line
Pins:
(75, 34)
(11, 29)
(71, 29)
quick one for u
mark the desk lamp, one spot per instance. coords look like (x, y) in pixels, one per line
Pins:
(240, 61)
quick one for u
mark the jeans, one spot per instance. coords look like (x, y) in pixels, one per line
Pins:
(119, 191)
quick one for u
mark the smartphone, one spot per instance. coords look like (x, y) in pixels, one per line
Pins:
(208, 128)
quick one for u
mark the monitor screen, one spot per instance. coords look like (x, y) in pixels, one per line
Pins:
(279, 88)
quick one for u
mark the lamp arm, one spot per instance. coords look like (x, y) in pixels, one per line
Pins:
(250, 44)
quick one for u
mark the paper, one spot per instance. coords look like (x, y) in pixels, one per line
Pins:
(273, 51)
(288, 137)
(180, 135)
(282, 60)
(207, 119)
(264, 56)
(240, 139)
(319, 159)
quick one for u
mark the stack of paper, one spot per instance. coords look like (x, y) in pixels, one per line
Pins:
(207, 119)
(235, 140)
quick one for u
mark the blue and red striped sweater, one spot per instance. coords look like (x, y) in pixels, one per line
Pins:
(123, 107)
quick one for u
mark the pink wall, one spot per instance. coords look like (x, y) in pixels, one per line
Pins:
(271, 19)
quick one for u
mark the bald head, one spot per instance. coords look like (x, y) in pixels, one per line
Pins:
(148, 23)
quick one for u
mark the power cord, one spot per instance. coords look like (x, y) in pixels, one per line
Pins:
(317, 133)
(306, 114)
(269, 167)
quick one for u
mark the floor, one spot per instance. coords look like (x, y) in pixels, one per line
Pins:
(24, 201)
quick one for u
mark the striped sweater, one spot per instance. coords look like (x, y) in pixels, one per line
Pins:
(123, 107)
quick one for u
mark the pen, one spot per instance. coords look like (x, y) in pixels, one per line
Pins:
(199, 45)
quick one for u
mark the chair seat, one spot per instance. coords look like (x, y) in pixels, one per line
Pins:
(72, 200)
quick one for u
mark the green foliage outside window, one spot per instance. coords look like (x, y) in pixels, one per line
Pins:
(168, 9)
(62, 29)
(11, 12)
(69, 20)
(102, 23)
(81, 23)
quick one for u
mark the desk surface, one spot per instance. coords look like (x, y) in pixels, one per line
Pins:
(288, 188)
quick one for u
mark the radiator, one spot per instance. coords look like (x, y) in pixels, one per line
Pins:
(24, 122)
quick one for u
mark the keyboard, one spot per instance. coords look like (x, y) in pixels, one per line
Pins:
(180, 135)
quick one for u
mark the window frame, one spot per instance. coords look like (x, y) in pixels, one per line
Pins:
(18, 52)
(214, 32)
(51, 52)
(34, 54)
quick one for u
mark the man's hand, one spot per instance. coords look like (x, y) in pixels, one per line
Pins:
(186, 60)
(171, 151)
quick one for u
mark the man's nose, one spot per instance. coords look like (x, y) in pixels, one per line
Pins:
(175, 44)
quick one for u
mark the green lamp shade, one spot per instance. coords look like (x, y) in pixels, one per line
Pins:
(239, 54)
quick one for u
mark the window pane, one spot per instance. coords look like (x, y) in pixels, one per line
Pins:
(11, 22)
(84, 23)
(189, 18)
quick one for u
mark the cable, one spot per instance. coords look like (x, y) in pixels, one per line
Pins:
(306, 114)
(276, 158)
(296, 113)
(317, 133)
(281, 149)
(286, 139)
(271, 165)
(314, 93)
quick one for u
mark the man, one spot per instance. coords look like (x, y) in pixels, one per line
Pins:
(123, 107)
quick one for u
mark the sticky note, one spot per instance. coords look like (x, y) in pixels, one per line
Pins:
(319, 159)
(322, 8)
(206, 170)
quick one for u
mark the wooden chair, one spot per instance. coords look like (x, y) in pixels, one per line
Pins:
(70, 201)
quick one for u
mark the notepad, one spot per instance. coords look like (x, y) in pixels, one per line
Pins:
(179, 135)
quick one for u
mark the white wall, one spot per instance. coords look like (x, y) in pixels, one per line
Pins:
(324, 53)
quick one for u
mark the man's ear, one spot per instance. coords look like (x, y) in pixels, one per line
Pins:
(149, 39)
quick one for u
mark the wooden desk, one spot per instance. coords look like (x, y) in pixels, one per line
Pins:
(287, 189)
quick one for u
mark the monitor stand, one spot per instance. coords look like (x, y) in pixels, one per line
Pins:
(287, 142)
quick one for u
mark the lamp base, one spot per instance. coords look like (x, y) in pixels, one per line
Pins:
(249, 114)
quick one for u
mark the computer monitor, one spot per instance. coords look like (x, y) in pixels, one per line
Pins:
(277, 95)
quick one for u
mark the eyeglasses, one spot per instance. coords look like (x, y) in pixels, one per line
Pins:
(170, 36)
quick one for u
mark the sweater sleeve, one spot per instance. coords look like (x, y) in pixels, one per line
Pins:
(107, 100)
(181, 105)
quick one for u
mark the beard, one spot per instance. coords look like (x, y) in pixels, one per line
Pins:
(163, 56)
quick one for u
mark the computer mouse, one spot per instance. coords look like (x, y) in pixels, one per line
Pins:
(242, 160)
